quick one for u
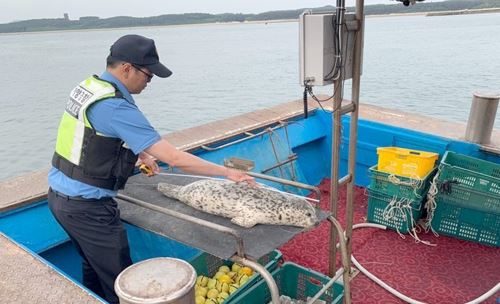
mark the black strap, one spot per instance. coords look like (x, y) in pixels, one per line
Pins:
(73, 171)
(446, 185)
(118, 93)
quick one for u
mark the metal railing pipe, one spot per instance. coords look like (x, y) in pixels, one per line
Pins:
(286, 182)
(271, 283)
(344, 258)
(350, 107)
(239, 240)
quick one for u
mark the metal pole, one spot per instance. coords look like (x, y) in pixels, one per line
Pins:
(481, 118)
(239, 240)
(286, 182)
(326, 286)
(336, 133)
(271, 283)
(345, 259)
(334, 184)
(353, 133)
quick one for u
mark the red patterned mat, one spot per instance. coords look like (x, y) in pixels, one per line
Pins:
(454, 271)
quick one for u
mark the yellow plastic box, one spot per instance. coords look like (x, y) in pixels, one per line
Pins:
(406, 162)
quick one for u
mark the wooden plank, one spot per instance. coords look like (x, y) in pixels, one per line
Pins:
(177, 139)
(23, 190)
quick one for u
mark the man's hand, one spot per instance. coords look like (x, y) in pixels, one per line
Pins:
(239, 176)
(149, 161)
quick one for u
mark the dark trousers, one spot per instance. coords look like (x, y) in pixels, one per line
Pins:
(95, 228)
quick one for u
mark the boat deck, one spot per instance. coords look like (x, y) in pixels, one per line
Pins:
(453, 271)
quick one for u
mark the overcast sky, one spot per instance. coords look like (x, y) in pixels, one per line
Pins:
(12, 10)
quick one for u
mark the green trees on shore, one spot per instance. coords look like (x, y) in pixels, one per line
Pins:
(92, 22)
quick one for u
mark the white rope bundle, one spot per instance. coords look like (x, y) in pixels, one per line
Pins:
(415, 183)
(431, 205)
(396, 209)
(402, 209)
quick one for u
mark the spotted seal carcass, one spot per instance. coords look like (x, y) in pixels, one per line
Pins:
(246, 206)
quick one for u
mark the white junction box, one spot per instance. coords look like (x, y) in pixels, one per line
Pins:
(317, 49)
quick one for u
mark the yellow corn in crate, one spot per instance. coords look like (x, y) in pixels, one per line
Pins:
(405, 162)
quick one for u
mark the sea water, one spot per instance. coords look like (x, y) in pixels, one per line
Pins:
(425, 65)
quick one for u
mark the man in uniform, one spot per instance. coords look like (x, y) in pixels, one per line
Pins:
(101, 136)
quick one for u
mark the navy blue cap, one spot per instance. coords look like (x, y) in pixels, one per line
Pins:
(141, 51)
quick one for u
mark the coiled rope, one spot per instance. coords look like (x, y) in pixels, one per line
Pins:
(431, 205)
(414, 182)
(398, 210)
(402, 210)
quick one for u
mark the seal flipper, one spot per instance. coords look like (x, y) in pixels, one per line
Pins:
(169, 190)
(244, 222)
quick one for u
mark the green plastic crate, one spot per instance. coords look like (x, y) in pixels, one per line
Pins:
(477, 174)
(400, 220)
(380, 182)
(467, 197)
(294, 281)
(207, 265)
(466, 223)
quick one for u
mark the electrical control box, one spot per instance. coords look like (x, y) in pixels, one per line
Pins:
(317, 47)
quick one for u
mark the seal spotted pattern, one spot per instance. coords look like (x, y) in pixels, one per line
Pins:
(246, 206)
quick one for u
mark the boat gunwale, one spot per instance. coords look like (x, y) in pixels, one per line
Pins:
(32, 187)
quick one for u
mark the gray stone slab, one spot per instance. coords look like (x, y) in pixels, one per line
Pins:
(24, 278)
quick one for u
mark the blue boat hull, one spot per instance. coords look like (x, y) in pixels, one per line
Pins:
(310, 139)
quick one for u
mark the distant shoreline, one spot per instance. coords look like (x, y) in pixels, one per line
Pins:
(429, 14)
(464, 12)
(156, 26)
